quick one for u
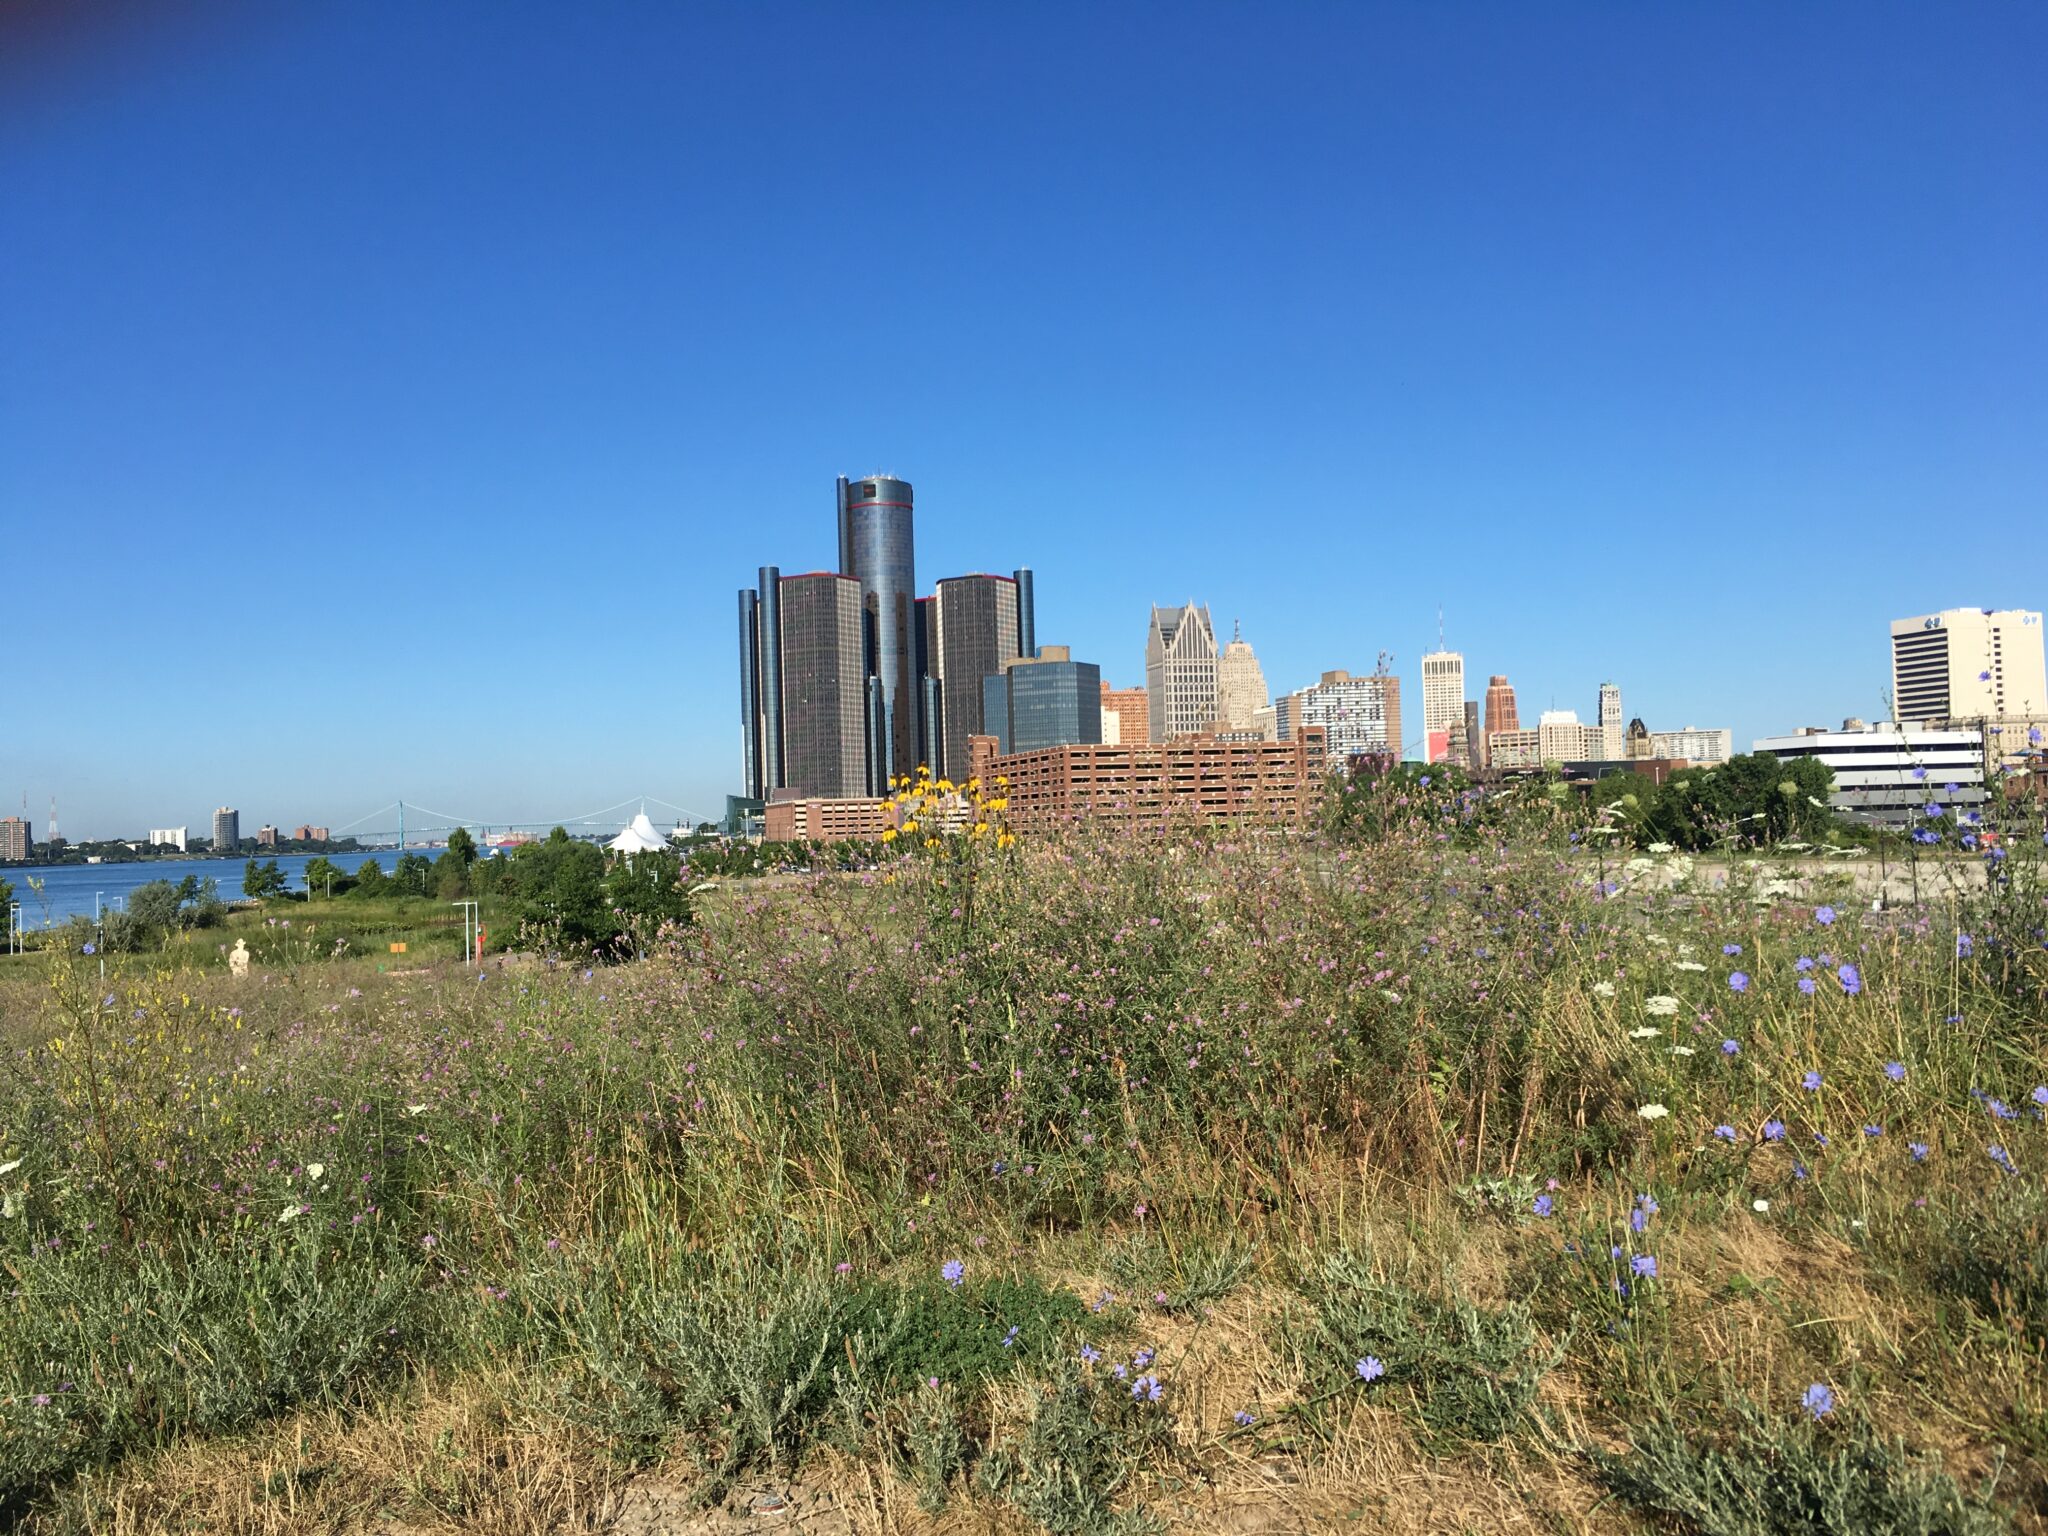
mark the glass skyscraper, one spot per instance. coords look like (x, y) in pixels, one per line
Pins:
(877, 549)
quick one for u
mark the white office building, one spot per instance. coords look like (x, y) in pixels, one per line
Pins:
(1694, 745)
(1892, 772)
(1443, 700)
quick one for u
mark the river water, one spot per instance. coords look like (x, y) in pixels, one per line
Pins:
(70, 890)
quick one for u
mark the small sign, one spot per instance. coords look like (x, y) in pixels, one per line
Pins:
(398, 949)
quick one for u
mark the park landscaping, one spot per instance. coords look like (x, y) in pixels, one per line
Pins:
(1448, 1169)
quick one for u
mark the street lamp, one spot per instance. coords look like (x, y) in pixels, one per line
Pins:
(472, 924)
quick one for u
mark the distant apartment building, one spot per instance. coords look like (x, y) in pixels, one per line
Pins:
(1443, 701)
(1180, 672)
(1240, 685)
(168, 837)
(976, 634)
(1360, 717)
(1693, 744)
(266, 836)
(1893, 772)
(305, 833)
(1970, 664)
(1193, 780)
(17, 840)
(1126, 717)
(1049, 700)
(227, 829)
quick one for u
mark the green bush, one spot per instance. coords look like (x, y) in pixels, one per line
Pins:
(1770, 1478)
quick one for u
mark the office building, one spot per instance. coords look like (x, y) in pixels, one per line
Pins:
(1049, 700)
(1508, 750)
(1195, 779)
(1561, 738)
(1240, 685)
(1180, 672)
(266, 836)
(827, 703)
(1892, 772)
(1443, 701)
(168, 837)
(1693, 745)
(17, 839)
(1126, 717)
(1613, 733)
(877, 548)
(227, 829)
(1360, 717)
(977, 631)
(1970, 665)
(1500, 705)
(761, 685)
(1475, 738)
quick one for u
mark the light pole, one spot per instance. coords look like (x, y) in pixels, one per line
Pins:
(472, 920)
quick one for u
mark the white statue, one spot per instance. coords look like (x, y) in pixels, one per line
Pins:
(238, 959)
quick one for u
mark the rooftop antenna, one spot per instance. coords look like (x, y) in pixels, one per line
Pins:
(1440, 626)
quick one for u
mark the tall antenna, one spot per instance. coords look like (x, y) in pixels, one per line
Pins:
(53, 818)
(1440, 627)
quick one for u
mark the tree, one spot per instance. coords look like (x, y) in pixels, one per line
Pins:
(413, 875)
(462, 847)
(326, 878)
(371, 881)
(263, 881)
(559, 883)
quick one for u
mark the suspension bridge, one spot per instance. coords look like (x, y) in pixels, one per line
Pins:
(408, 824)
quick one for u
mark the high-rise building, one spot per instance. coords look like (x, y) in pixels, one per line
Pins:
(977, 631)
(761, 718)
(1969, 664)
(1443, 698)
(167, 837)
(1180, 672)
(1126, 717)
(17, 840)
(227, 829)
(1693, 744)
(1240, 685)
(825, 695)
(1475, 739)
(1050, 700)
(877, 548)
(266, 836)
(306, 833)
(1562, 738)
(1360, 717)
(1613, 731)
(1500, 705)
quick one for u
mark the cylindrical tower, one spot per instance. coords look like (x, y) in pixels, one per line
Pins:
(1027, 621)
(877, 549)
(750, 692)
(768, 626)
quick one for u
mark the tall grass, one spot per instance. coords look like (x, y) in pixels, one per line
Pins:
(1100, 1185)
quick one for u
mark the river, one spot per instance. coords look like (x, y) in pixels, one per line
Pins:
(71, 890)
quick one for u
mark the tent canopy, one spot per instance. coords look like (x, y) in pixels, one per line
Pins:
(640, 837)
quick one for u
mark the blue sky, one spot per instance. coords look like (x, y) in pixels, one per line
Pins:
(393, 397)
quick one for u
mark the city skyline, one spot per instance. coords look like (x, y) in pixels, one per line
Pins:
(426, 448)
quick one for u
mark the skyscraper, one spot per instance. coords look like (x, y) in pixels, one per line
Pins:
(978, 631)
(1180, 671)
(825, 694)
(1475, 739)
(1126, 717)
(1240, 685)
(761, 685)
(877, 549)
(1500, 705)
(1972, 664)
(1613, 733)
(1443, 700)
(227, 829)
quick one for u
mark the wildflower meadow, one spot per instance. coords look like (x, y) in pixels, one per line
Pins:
(1464, 1166)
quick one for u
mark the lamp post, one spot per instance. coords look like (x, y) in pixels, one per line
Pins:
(472, 922)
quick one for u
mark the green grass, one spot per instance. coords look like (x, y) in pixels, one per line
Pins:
(1220, 1118)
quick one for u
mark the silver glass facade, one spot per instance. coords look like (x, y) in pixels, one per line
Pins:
(877, 549)
(1054, 704)
(1027, 618)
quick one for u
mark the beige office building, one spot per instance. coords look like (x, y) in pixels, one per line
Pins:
(1443, 697)
(1970, 664)
(1240, 686)
(1180, 672)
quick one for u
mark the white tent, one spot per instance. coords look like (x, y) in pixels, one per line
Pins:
(640, 837)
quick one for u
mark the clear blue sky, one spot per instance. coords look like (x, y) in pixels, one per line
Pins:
(393, 396)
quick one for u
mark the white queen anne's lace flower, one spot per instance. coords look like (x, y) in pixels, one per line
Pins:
(1662, 1005)
(1653, 1111)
